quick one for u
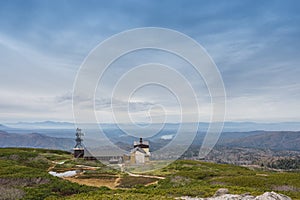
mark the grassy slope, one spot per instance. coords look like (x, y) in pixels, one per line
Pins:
(26, 171)
(192, 178)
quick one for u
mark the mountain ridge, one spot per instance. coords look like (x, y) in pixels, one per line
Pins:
(34, 140)
(228, 126)
(277, 140)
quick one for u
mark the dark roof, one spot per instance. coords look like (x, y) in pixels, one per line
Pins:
(138, 149)
(141, 145)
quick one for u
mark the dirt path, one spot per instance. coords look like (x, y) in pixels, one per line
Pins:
(111, 183)
(153, 183)
(146, 176)
(96, 182)
(86, 167)
(117, 181)
(54, 163)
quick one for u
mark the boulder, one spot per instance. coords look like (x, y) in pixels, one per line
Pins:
(272, 196)
(222, 194)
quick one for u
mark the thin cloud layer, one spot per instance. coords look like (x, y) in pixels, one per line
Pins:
(254, 44)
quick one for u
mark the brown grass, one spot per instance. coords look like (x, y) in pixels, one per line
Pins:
(131, 181)
(95, 182)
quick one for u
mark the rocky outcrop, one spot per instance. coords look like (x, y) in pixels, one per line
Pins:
(272, 196)
(7, 193)
(221, 194)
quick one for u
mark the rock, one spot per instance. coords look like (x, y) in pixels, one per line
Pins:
(231, 197)
(272, 196)
(221, 192)
(246, 194)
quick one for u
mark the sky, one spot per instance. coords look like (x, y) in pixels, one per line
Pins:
(255, 45)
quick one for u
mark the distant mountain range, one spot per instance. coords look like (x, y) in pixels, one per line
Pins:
(279, 140)
(274, 140)
(2, 127)
(228, 126)
(41, 125)
(60, 135)
(35, 140)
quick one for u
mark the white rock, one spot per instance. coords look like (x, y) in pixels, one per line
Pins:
(265, 196)
(272, 196)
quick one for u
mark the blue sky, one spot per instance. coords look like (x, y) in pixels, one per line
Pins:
(255, 45)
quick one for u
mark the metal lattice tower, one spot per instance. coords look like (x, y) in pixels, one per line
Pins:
(79, 139)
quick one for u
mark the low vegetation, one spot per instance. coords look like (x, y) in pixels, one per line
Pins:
(285, 164)
(135, 182)
(23, 175)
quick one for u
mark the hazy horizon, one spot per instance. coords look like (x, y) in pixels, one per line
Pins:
(72, 122)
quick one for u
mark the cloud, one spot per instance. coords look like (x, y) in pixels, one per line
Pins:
(254, 44)
(64, 98)
(27, 107)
